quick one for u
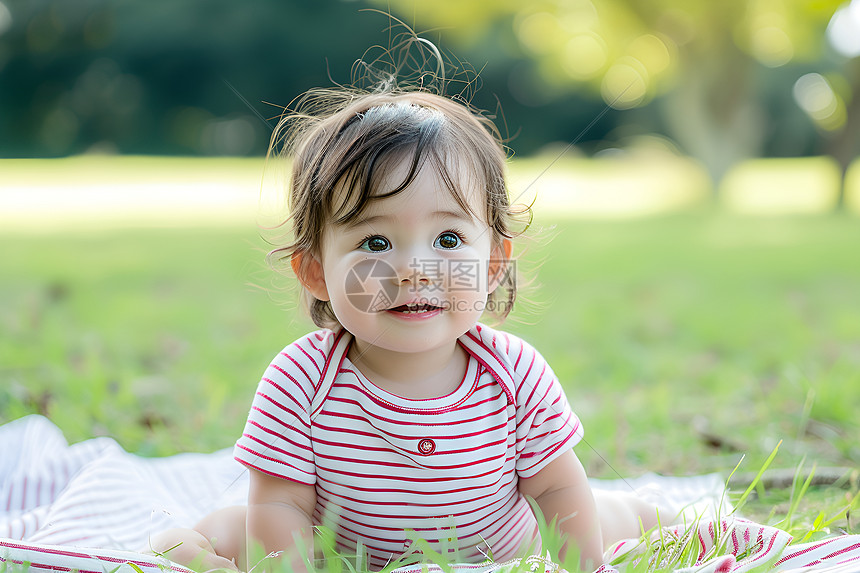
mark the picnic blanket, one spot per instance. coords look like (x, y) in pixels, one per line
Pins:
(91, 507)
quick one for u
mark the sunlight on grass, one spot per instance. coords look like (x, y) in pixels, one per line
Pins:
(88, 192)
(626, 186)
(91, 192)
(114, 192)
(852, 187)
(782, 186)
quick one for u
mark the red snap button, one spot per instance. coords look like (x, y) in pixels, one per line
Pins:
(426, 447)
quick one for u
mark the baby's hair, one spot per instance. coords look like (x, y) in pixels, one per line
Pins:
(345, 142)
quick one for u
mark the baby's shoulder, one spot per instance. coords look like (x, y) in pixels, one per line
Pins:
(305, 359)
(510, 348)
(513, 362)
(518, 367)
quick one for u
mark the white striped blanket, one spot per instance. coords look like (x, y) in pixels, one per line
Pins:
(91, 507)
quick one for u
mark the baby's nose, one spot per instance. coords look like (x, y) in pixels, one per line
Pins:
(415, 273)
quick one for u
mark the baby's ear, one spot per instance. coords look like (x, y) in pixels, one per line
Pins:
(310, 273)
(500, 260)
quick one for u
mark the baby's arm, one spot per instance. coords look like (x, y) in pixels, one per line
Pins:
(561, 490)
(279, 512)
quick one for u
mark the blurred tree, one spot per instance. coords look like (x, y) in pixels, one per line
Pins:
(158, 77)
(699, 62)
(831, 98)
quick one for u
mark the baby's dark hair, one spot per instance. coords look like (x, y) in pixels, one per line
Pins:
(344, 144)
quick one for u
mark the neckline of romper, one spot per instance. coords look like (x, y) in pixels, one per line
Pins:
(480, 359)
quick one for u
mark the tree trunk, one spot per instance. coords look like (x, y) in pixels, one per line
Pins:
(712, 113)
(843, 145)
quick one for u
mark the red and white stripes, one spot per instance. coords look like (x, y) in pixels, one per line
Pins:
(98, 471)
(445, 468)
(94, 494)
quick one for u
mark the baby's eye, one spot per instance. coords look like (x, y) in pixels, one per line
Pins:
(375, 244)
(448, 240)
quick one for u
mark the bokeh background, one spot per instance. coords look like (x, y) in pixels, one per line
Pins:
(722, 81)
(693, 272)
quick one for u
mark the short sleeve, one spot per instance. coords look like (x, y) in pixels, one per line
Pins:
(277, 435)
(546, 424)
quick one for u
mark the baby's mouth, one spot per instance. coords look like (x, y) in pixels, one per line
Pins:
(414, 308)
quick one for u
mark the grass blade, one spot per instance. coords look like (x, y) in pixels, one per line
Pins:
(757, 478)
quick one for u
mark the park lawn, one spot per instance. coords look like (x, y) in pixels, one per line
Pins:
(685, 342)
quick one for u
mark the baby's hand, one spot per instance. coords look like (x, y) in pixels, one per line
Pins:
(190, 548)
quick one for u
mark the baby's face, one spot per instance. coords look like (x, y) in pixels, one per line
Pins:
(411, 272)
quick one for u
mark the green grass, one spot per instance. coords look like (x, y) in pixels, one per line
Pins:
(684, 342)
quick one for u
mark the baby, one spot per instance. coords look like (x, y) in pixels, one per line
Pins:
(404, 417)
